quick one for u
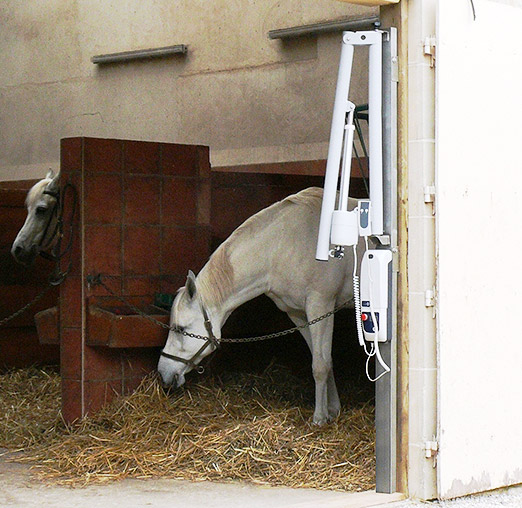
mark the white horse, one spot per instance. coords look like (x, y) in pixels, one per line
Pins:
(273, 252)
(38, 233)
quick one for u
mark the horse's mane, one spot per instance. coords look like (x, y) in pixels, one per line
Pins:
(216, 279)
(36, 190)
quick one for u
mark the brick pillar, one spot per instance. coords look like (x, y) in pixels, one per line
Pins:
(143, 220)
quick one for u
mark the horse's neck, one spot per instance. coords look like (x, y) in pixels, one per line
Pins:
(250, 279)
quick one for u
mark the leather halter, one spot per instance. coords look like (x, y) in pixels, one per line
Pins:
(57, 211)
(211, 340)
(57, 227)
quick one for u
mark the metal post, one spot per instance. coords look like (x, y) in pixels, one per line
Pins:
(386, 387)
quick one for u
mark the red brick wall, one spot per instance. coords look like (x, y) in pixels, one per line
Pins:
(19, 345)
(240, 191)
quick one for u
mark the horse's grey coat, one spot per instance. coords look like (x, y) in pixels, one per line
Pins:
(272, 253)
(27, 244)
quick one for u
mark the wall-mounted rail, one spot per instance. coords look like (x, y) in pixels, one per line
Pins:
(369, 23)
(140, 54)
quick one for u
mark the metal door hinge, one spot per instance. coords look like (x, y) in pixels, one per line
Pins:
(431, 448)
(429, 196)
(395, 69)
(430, 44)
(430, 300)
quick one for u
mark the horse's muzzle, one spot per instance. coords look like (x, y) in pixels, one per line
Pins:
(23, 256)
(176, 381)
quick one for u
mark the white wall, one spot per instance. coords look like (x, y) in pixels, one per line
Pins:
(251, 99)
(479, 210)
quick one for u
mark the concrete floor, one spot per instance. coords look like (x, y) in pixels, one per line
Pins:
(18, 488)
(505, 498)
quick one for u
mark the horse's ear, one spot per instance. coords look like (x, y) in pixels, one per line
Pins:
(54, 184)
(191, 284)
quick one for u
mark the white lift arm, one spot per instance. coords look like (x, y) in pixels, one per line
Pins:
(340, 126)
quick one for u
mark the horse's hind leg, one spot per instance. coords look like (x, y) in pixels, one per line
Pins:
(319, 340)
(334, 405)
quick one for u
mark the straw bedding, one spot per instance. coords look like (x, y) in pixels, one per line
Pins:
(243, 426)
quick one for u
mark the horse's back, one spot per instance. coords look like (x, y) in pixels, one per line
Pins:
(293, 237)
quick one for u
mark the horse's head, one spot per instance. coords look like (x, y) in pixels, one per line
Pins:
(38, 231)
(182, 353)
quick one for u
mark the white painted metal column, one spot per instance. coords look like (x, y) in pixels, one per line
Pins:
(421, 340)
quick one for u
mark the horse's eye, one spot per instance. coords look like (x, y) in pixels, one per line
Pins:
(41, 210)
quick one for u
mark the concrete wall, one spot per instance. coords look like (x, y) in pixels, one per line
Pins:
(247, 97)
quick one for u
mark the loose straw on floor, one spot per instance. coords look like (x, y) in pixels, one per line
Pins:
(222, 428)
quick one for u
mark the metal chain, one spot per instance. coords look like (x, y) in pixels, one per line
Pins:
(27, 306)
(97, 280)
(55, 279)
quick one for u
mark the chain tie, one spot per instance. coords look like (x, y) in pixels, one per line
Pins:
(94, 280)
(37, 298)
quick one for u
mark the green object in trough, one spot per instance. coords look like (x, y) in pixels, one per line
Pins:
(163, 300)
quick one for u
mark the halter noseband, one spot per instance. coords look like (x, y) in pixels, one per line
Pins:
(211, 340)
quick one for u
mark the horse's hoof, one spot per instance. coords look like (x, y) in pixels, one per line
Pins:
(320, 421)
(333, 414)
(323, 420)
